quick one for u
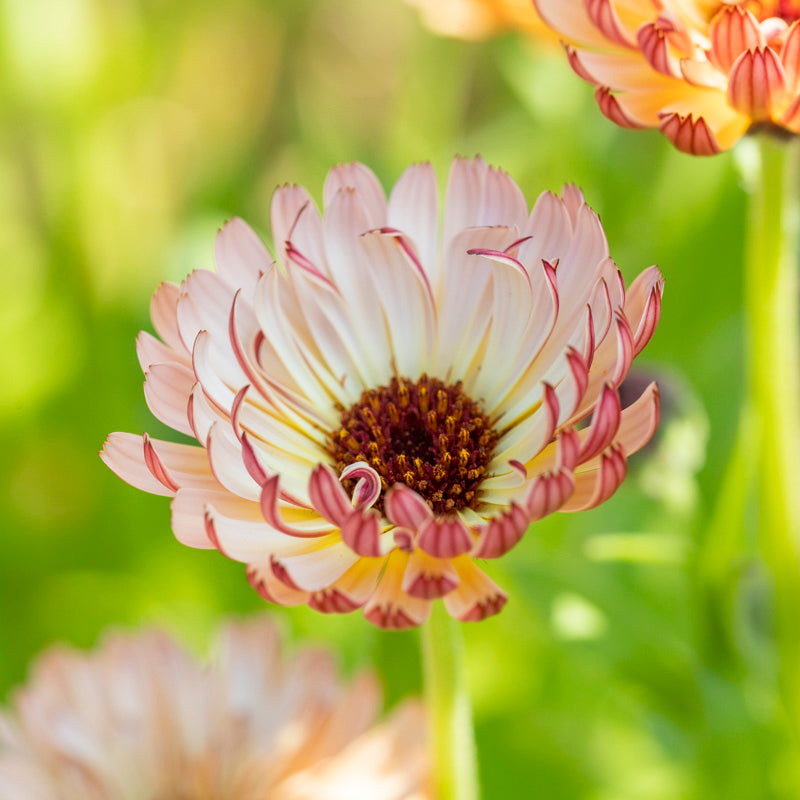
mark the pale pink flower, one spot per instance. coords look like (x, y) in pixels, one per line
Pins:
(390, 402)
(703, 71)
(142, 719)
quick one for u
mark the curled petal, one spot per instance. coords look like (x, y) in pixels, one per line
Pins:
(368, 488)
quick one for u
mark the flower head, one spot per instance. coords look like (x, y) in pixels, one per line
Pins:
(141, 718)
(703, 72)
(387, 403)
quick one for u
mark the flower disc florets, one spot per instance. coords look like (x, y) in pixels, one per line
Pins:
(330, 463)
(430, 436)
(703, 72)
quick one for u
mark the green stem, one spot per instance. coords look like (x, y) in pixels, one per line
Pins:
(771, 288)
(449, 709)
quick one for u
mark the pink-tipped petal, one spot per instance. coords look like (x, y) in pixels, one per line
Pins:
(655, 46)
(605, 17)
(427, 577)
(733, 31)
(361, 532)
(613, 110)
(790, 58)
(548, 493)
(405, 508)
(390, 607)
(263, 580)
(156, 465)
(605, 422)
(688, 134)
(476, 597)
(445, 537)
(404, 539)
(596, 486)
(501, 533)
(757, 83)
(350, 591)
(122, 453)
(327, 496)
(270, 494)
(639, 421)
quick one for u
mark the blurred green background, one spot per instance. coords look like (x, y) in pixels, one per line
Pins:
(634, 659)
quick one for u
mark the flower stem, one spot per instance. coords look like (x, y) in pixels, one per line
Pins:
(772, 307)
(449, 708)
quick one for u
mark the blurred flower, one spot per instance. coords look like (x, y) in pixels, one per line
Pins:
(381, 407)
(471, 19)
(141, 718)
(701, 71)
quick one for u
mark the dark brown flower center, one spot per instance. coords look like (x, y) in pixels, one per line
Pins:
(426, 434)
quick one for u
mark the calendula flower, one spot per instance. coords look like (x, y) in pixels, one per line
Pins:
(388, 403)
(471, 19)
(142, 719)
(703, 72)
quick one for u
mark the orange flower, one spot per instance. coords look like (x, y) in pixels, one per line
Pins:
(471, 19)
(141, 718)
(703, 72)
(393, 400)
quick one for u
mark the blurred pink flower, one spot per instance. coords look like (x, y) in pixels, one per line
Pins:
(390, 402)
(703, 71)
(141, 719)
